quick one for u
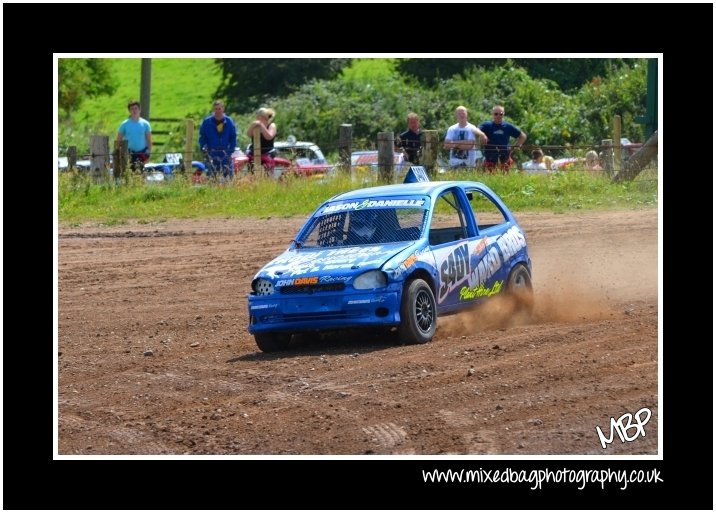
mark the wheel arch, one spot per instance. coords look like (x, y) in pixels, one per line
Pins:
(424, 275)
(526, 262)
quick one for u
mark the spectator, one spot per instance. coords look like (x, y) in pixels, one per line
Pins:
(592, 161)
(460, 140)
(409, 140)
(138, 133)
(217, 139)
(264, 123)
(498, 152)
(548, 162)
(536, 166)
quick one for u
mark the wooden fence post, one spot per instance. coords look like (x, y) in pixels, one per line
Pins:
(189, 145)
(121, 154)
(385, 157)
(71, 157)
(99, 155)
(617, 138)
(345, 142)
(429, 151)
(258, 168)
(607, 155)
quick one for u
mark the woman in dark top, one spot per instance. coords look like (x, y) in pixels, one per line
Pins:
(264, 123)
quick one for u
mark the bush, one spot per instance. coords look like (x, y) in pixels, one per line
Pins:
(538, 106)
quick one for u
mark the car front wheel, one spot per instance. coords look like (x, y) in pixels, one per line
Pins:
(272, 342)
(418, 313)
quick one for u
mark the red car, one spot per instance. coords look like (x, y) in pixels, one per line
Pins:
(294, 157)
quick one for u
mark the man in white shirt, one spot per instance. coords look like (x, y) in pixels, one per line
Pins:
(461, 138)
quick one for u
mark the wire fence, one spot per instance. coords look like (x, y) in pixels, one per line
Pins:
(222, 164)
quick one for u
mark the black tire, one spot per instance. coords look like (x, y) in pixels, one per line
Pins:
(272, 342)
(418, 313)
(519, 287)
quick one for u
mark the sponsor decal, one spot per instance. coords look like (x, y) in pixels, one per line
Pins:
(485, 268)
(291, 264)
(469, 293)
(408, 262)
(309, 280)
(504, 248)
(264, 307)
(511, 242)
(334, 279)
(481, 245)
(454, 270)
(478, 266)
(377, 299)
(368, 203)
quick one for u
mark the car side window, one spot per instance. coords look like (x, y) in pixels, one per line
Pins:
(284, 153)
(487, 213)
(448, 223)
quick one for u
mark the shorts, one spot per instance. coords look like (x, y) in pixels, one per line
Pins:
(139, 156)
(266, 160)
(461, 162)
(504, 165)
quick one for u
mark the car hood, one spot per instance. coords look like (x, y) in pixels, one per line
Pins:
(347, 261)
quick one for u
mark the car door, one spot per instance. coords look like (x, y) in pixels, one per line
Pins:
(497, 244)
(451, 237)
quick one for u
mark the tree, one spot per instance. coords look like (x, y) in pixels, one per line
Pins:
(570, 74)
(250, 82)
(80, 79)
(431, 71)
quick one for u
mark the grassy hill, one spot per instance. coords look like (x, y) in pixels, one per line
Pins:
(180, 86)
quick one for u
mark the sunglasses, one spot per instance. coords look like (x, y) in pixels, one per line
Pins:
(498, 113)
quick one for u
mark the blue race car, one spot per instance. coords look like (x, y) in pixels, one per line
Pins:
(392, 256)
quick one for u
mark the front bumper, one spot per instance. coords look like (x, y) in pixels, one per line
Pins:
(325, 311)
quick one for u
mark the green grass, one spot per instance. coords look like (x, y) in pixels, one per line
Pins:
(81, 200)
(180, 87)
(369, 69)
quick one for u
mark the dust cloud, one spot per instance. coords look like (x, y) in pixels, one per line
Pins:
(562, 294)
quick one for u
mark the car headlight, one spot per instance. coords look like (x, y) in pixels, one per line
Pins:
(371, 280)
(262, 287)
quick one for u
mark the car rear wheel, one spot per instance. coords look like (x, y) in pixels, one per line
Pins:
(519, 287)
(418, 313)
(272, 342)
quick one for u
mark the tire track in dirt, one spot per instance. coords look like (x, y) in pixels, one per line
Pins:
(537, 386)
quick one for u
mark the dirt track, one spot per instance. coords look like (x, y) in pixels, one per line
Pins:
(177, 289)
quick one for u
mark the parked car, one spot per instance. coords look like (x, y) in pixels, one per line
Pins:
(159, 171)
(152, 171)
(393, 256)
(370, 158)
(298, 158)
(63, 164)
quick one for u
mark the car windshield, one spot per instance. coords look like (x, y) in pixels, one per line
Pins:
(364, 226)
